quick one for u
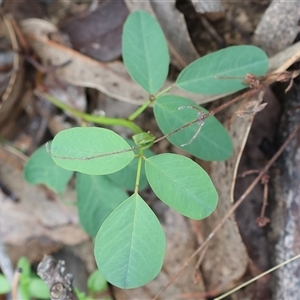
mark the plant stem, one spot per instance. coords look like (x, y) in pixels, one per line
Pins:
(147, 104)
(138, 172)
(164, 91)
(90, 118)
(139, 110)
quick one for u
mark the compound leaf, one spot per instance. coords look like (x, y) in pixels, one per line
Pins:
(212, 142)
(97, 197)
(41, 169)
(91, 150)
(130, 245)
(145, 51)
(182, 184)
(207, 75)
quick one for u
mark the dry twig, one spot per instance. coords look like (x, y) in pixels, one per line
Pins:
(60, 284)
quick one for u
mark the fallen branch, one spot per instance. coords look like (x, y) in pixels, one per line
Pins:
(60, 284)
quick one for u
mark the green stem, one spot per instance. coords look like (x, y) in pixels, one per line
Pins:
(90, 118)
(139, 110)
(164, 91)
(138, 172)
(148, 103)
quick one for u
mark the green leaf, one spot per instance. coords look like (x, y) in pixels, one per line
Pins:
(91, 150)
(130, 245)
(41, 169)
(201, 76)
(97, 197)
(212, 142)
(4, 285)
(38, 289)
(97, 282)
(126, 177)
(145, 51)
(24, 265)
(182, 184)
(81, 295)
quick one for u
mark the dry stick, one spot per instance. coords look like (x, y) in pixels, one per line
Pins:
(196, 268)
(249, 172)
(262, 220)
(8, 20)
(15, 284)
(288, 63)
(20, 36)
(257, 277)
(233, 208)
(249, 94)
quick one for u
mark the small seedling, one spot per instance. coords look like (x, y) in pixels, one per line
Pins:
(129, 240)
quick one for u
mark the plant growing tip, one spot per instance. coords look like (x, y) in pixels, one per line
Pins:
(144, 140)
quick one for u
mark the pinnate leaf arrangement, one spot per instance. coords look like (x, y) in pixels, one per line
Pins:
(129, 240)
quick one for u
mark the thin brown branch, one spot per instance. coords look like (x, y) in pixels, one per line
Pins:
(249, 172)
(22, 40)
(231, 211)
(262, 220)
(15, 284)
(197, 267)
(249, 94)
